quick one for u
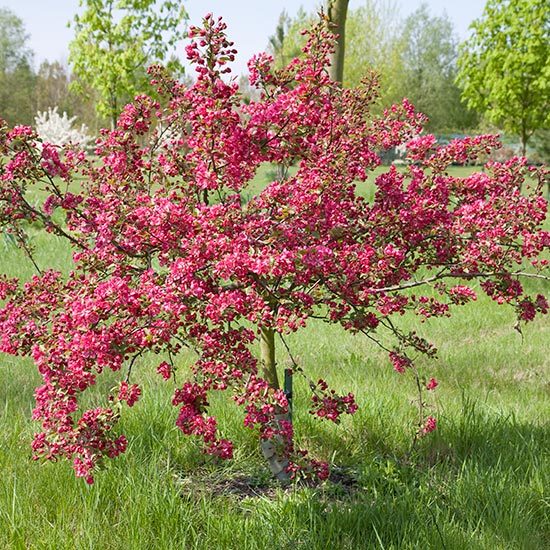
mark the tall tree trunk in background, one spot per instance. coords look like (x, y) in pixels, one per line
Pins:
(337, 11)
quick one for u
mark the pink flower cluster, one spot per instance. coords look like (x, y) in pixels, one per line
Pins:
(429, 425)
(327, 404)
(400, 362)
(128, 393)
(432, 384)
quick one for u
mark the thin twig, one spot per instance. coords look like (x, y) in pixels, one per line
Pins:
(470, 275)
(133, 360)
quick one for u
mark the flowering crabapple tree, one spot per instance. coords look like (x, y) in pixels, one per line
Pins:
(169, 255)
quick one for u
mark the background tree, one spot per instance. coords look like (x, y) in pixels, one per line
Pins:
(504, 67)
(370, 33)
(114, 43)
(16, 71)
(414, 58)
(18, 95)
(541, 142)
(52, 87)
(337, 12)
(429, 54)
(276, 43)
(373, 33)
(288, 40)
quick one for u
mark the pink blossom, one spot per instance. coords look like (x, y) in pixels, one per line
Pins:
(432, 384)
(165, 370)
(128, 393)
(399, 362)
(429, 425)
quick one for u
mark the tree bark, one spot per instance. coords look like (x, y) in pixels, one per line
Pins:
(337, 11)
(271, 447)
(267, 357)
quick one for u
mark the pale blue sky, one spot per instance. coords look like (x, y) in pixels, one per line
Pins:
(250, 22)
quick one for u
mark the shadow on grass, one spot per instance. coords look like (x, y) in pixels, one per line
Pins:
(482, 482)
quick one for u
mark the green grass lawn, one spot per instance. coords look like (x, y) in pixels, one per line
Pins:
(481, 481)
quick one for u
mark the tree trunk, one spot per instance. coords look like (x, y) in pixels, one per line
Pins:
(337, 11)
(271, 447)
(524, 140)
(267, 357)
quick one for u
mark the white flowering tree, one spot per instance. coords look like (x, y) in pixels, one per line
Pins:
(58, 129)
